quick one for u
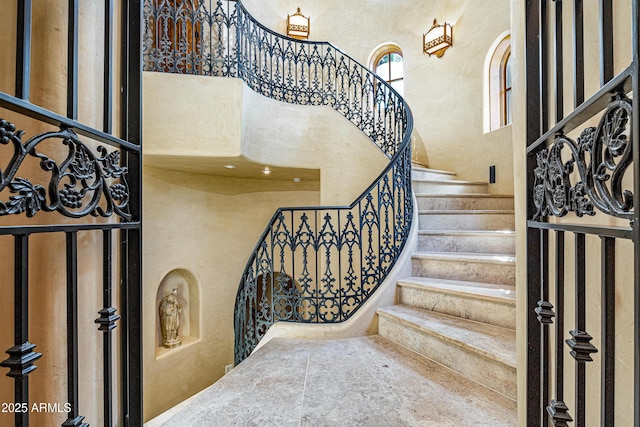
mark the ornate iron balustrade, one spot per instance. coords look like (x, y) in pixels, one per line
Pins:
(316, 264)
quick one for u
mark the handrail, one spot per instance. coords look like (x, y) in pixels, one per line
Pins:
(313, 264)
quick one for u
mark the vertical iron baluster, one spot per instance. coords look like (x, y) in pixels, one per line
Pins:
(72, 61)
(18, 360)
(608, 316)
(340, 295)
(72, 332)
(534, 129)
(21, 355)
(559, 61)
(544, 65)
(534, 336)
(314, 248)
(131, 259)
(606, 40)
(23, 50)
(545, 320)
(578, 53)
(532, 71)
(132, 281)
(107, 108)
(107, 322)
(558, 409)
(580, 294)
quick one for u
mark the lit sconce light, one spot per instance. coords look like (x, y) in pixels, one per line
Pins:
(298, 25)
(438, 39)
(296, 179)
(266, 170)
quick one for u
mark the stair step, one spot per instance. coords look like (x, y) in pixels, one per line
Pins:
(464, 201)
(431, 174)
(447, 186)
(480, 302)
(496, 242)
(481, 352)
(466, 220)
(483, 268)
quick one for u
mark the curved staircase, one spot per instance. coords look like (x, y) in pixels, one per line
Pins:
(456, 313)
(458, 308)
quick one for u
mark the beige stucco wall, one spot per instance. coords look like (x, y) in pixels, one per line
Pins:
(190, 226)
(445, 94)
(314, 137)
(183, 115)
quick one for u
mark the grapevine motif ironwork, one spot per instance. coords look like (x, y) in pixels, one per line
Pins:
(601, 156)
(82, 184)
(313, 265)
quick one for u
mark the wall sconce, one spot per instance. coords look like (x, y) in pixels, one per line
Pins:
(438, 39)
(298, 25)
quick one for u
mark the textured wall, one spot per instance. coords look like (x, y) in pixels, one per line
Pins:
(445, 94)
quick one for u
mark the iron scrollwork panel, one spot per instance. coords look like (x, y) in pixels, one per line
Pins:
(601, 156)
(82, 183)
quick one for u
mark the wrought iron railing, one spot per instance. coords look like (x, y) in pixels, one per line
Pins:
(583, 183)
(315, 264)
(70, 191)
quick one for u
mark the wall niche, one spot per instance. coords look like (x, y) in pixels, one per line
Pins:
(185, 288)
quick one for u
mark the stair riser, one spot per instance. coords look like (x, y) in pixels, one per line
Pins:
(462, 221)
(471, 271)
(449, 188)
(464, 203)
(493, 374)
(431, 176)
(459, 243)
(466, 307)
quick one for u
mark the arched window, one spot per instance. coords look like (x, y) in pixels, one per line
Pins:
(386, 61)
(506, 91)
(498, 78)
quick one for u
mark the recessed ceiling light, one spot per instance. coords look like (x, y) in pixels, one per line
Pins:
(297, 179)
(266, 170)
(230, 166)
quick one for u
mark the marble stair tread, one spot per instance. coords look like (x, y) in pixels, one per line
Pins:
(471, 196)
(427, 169)
(492, 342)
(465, 211)
(488, 291)
(450, 182)
(470, 257)
(428, 173)
(487, 233)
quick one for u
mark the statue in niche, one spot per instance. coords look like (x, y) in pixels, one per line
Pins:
(169, 311)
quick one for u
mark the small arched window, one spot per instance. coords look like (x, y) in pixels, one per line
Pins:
(498, 83)
(506, 90)
(386, 61)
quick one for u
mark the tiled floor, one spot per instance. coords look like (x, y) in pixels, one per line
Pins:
(366, 381)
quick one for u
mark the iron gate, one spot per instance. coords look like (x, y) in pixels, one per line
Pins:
(583, 256)
(71, 191)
